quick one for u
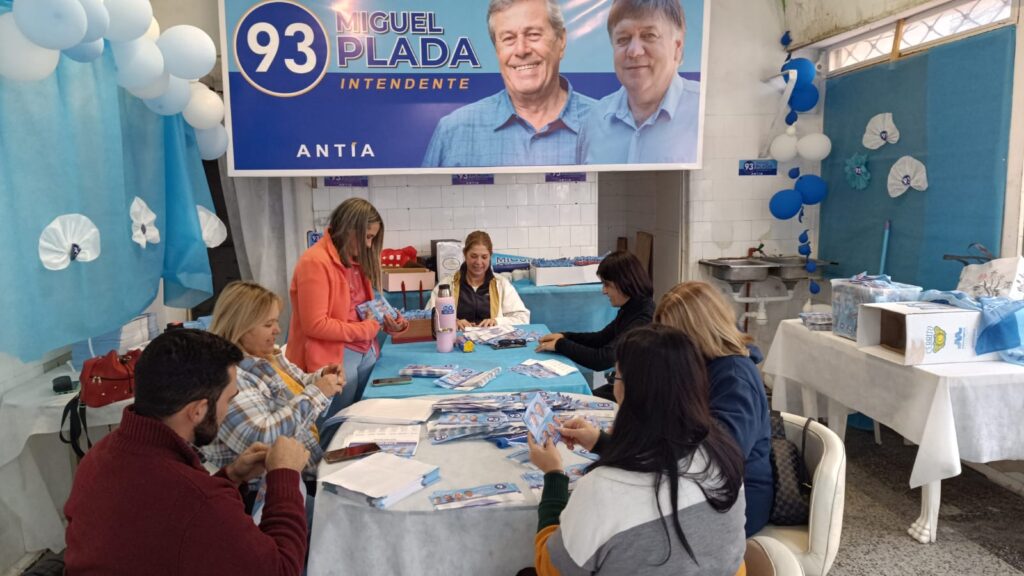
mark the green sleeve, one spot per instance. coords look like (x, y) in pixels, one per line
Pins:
(553, 499)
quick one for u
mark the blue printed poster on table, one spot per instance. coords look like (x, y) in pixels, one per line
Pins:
(334, 87)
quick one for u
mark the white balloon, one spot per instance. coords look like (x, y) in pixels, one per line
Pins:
(212, 142)
(129, 19)
(154, 31)
(205, 109)
(53, 24)
(174, 100)
(783, 147)
(139, 62)
(814, 147)
(86, 51)
(98, 17)
(188, 51)
(154, 89)
(20, 58)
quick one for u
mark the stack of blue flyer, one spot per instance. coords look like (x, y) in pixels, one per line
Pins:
(381, 480)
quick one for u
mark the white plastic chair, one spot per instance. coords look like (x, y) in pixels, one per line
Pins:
(768, 557)
(815, 545)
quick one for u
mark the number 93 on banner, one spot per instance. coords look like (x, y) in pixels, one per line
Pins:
(281, 48)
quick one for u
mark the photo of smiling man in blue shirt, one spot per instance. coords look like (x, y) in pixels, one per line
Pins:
(535, 120)
(654, 117)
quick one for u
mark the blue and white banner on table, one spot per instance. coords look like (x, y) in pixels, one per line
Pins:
(329, 87)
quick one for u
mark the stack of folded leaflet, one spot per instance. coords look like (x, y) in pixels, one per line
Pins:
(499, 417)
(466, 379)
(817, 321)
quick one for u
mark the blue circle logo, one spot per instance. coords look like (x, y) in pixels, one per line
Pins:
(281, 48)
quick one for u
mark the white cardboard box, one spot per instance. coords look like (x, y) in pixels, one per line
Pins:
(912, 333)
(564, 275)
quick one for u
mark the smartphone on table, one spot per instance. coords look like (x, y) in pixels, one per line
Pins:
(392, 381)
(342, 454)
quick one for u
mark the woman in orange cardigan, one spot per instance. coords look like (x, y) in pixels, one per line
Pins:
(335, 275)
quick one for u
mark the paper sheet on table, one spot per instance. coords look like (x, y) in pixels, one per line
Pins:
(385, 411)
(556, 367)
(402, 440)
(380, 475)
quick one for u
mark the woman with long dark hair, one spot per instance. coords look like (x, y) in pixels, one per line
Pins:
(666, 442)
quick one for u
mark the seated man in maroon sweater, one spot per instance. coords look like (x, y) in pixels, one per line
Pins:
(142, 503)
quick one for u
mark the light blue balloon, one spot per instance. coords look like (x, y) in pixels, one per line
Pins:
(174, 100)
(98, 17)
(86, 51)
(129, 19)
(139, 62)
(212, 142)
(188, 51)
(53, 24)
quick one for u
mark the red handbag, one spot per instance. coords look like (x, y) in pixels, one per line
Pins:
(108, 379)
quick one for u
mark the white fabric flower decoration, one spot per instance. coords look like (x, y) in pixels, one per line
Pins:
(144, 230)
(69, 238)
(214, 231)
(880, 131)
(907, 172)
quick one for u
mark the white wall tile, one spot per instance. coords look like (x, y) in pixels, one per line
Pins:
(518, 238)
(496, 195)
(547, 216)
(397, 219)
(527, 216)
(463, 216)
(451, 197)
(539, 237)
(384, 198)
(474, 196)
(499, 237)
(322, 199)
(580, 235)
(588, 214)
(441, 218)
(429, 197)
(569, 215)
(518, 194)
(561, 236)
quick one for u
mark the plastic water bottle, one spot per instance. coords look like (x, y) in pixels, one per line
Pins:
(444, 307)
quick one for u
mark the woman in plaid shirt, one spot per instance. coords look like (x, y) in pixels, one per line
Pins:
(275, 398)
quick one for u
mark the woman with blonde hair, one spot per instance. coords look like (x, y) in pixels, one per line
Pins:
(331, 279)
(275, 397)
(482, 298)
(737, 395)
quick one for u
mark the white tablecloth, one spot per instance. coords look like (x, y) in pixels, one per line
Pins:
(412, 538)
(968, 411)
(35, 477)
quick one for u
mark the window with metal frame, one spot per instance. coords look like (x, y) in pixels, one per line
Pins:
(919, 31)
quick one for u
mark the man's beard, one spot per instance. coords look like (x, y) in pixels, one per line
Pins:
(206, 431)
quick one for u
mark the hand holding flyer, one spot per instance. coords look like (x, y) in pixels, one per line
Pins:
(540, 421)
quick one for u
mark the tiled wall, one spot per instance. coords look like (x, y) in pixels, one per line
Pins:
(523, 214)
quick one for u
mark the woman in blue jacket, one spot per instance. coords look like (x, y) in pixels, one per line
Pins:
(737, 395)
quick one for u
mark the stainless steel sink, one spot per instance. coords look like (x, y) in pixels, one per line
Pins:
(791, 268)
(740, 270)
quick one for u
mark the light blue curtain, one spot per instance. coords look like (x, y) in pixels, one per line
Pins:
(76, 143)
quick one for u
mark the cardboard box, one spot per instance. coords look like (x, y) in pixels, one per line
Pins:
(913, 333)
(412, 277)
(564, 275)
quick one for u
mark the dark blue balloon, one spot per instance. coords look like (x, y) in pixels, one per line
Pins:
(812, 189)
(791, 118)
(803, 237)
(811, 266)
(804, 249)
(804, 97)
(804, 68)
(814, 288)
(785, 204)
(794, 172)
(786, 39)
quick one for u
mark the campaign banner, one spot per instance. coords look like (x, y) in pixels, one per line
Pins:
(335, 87)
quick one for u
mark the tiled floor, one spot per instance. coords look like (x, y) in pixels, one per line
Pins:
(981, 524)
